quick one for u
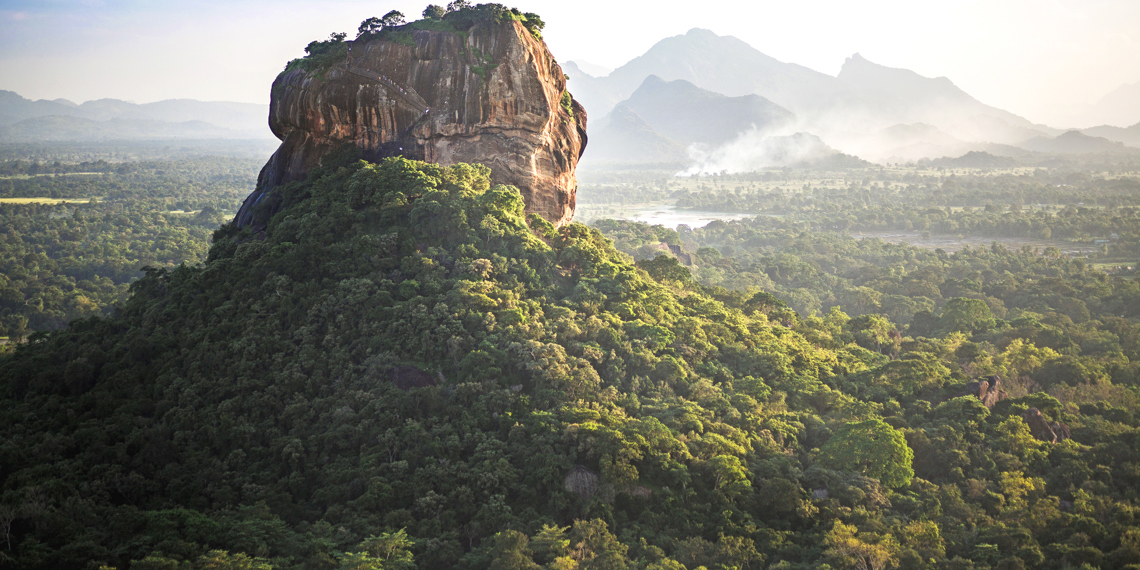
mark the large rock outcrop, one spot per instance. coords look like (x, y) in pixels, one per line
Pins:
(492, 95)
(1042, 429)
(987, 390)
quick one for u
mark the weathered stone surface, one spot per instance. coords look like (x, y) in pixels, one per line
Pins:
(581, 481)
(987, 390)
(492, 95)
(1042, 429)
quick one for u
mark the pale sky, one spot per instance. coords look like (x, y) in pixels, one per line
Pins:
(1043, 59)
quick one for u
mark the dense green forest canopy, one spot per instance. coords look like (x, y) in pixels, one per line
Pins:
(61, 261)
(404, 371)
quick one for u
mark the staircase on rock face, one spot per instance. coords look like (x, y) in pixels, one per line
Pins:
(407, 94)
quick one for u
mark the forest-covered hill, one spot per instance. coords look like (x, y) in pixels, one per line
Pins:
(402, 371)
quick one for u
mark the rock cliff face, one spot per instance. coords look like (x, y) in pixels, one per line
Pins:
(493, 95)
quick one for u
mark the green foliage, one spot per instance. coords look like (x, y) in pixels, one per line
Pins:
(320, 55)
(62, 262)
(593, 547)
(873, 448)
(389, 551)
(966, 315)
(511, 552)
(407, 370)
(222, 560)
(374, 267)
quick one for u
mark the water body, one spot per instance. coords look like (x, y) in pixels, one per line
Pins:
(667, 215)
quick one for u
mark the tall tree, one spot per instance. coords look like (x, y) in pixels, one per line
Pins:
(873, 448)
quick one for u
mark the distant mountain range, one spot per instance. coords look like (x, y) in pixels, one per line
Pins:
(677, 122)
(667, 96)
(688, 114)
(1076, 142)
(1129, 136)
(624, 137)
(661, 118)
(1119, 107)
(24, 120)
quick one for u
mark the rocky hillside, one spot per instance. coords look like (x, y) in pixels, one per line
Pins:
(474, 86)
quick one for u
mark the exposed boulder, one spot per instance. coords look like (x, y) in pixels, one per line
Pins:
(582, 482)
(1061, 431)
(683, 257)
(492, 95)
(1044, 430)
(987, 390)
(639, 491)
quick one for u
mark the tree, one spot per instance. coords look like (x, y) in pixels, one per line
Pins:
(511, 552)
(867, 551)
(389, 551)
(392, 19)
(914, 372)
(873, 448)
(369, 26)
(923, 324)
(222, 560)
(551, 543)
(534, 24)
(730, 475)
(595, 548)
(434, 12)
(874, 332)
(967, 315)
(1021, 358)
(375, 25)
(534, 21)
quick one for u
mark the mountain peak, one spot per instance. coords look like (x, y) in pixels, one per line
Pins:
(860, 72)
(859, 64)
(701, 33)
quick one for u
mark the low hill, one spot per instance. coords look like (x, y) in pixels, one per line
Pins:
(400, 351)
(976, 159)
(662, 118)
(1129, 136)
(688, 114)
(623, 137)
(1075, 142)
